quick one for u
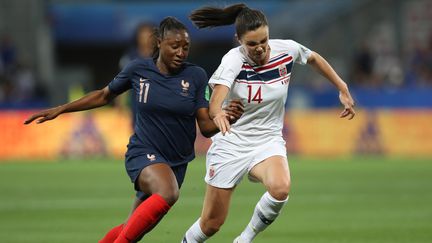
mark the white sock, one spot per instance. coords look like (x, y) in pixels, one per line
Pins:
(266, 211)
(194, 234)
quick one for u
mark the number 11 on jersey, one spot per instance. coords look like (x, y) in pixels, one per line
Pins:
(144, 87)
(256, 97)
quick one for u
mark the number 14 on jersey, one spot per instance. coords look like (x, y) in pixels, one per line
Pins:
(254, 95)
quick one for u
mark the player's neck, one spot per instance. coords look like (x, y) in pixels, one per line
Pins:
(163, 69)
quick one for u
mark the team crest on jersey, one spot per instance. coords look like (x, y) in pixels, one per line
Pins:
(151, 157)
(211, 172)
(283, 70)
(185, 88)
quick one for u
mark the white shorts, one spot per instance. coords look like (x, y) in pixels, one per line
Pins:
(226, 167)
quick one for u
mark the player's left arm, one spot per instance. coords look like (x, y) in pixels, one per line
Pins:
(324, 68)
(208, 128)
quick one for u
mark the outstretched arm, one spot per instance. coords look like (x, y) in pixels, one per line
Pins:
(91, 100)
(324, 68)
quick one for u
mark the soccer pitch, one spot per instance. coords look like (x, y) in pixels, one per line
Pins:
(346, 200)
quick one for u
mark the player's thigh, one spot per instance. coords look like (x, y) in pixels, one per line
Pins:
(158, 178)
(226, 169)
(272, 172)
(270, 164)
(216, 204)
(179, 172)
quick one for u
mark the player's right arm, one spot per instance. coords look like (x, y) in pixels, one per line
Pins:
(221, 81)
(92, 100)
(216, 113)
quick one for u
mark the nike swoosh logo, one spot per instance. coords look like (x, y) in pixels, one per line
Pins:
(250, 75)
(143, 79)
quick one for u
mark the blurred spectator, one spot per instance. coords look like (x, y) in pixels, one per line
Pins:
(377, 68)
(5, 88)
(18, 84)
(24, 84)
(363, 68)
(8, 54)
(420, 67)
(388, 69)
(363, 62)
(143, 44)
(7, 65)
(1, 66)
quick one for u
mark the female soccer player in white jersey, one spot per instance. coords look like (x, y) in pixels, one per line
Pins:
(258, 73)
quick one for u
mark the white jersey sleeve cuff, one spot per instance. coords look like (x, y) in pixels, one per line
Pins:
(213, 82)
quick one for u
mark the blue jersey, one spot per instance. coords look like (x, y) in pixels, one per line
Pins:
(166, 109)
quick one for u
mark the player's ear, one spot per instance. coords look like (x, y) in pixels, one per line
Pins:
(236, 37)
(158, 42)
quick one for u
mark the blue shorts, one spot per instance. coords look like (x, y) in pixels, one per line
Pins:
(135, 165)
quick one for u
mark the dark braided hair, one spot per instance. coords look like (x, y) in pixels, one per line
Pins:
(167, 24)
(245, 19)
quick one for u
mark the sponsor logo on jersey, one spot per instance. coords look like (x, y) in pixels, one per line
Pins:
(250, 75)
(151, 157)
(185, 88)
(143, 80)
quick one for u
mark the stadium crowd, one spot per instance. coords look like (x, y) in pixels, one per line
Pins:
(18, 82)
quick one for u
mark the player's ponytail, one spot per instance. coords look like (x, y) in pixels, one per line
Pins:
(167, 24)
(245, 19)
(212, 16)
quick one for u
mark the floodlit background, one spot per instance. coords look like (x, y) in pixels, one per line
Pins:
(365, 180)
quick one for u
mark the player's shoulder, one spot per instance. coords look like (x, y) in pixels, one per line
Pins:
(234, 52)
(233, 56)
(140, 62)
(191, 69)
(283, 44)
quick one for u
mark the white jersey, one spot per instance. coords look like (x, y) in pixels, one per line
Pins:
(262, 89)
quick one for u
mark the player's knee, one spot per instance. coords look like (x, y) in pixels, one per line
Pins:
(170, 195)
(279, 190)
(212, 226)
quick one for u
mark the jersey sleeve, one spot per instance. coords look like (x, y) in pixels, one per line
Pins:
(202, 90)
(122, 82)
(228, 70)
(301, 52)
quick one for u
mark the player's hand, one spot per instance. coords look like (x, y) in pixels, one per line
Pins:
(234, 111)
(45, 115)
(221, 121)
(348, 103)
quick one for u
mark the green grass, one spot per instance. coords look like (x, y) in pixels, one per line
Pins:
(356, 200)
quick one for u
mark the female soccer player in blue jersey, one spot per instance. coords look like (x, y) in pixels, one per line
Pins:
(257, 72)
(170, 98)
